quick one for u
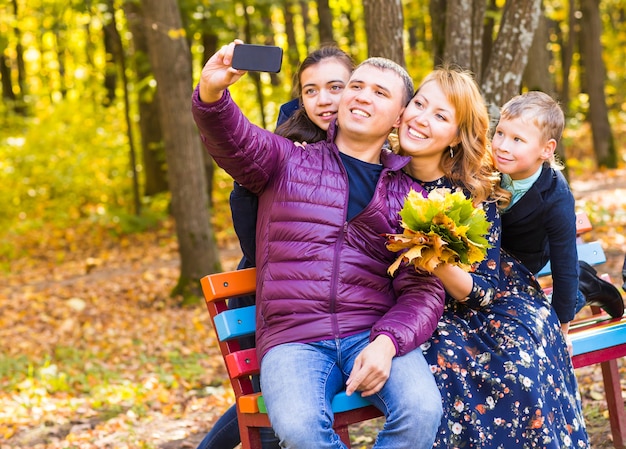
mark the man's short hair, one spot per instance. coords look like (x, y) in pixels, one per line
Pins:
(388, 64)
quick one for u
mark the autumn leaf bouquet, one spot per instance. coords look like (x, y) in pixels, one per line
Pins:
(445, 227)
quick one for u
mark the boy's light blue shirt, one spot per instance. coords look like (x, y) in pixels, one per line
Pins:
(518, 187)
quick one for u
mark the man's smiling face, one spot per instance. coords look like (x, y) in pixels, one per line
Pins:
(372, 102)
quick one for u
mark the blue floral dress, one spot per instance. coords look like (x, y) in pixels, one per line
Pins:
(501, 363)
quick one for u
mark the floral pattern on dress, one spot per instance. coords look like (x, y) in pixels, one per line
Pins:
(501, 363)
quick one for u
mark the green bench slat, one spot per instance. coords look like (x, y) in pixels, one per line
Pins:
(598, 338)
(341, 402)
(235, 323)
(591, 252)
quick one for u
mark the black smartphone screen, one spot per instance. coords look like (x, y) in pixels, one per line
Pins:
(257, 58)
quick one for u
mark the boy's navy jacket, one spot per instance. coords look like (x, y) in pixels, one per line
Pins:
(540, 227)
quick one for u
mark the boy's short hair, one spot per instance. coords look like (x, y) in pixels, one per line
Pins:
(388, 64)
(537, 108)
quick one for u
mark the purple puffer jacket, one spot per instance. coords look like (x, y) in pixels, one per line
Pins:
(319, 276)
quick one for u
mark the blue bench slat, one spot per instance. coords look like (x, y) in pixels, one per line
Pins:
(235, 323)
(591, 252)
(341, 402)
(598, 338)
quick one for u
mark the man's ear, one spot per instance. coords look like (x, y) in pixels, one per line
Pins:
(396, 124)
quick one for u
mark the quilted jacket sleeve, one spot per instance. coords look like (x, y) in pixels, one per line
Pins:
(414, 317)
(250, 154)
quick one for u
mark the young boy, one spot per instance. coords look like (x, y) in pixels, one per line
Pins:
(540, 222)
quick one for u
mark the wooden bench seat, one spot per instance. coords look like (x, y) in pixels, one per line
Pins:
(605, 335)
(241, 364)
(599, 338)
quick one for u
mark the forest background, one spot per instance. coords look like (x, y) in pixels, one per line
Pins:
(111, 210)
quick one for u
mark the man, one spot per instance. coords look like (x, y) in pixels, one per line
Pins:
(328, 316)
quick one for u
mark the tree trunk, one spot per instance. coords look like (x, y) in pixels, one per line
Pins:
(603, 143)
(567, 54)
(325, 25)
(293, 56)
(60, 49)
(304, 13)
(266, 20)
(20, 104)
(350, 32)
(536, 74)
(487, 45)
(502, 78)
(464, 28)
(384, 23)
(437, 8)
(8, 96)
(120, 57)
(171, 61)
(110, 68)
(153, 153)
(209, 41)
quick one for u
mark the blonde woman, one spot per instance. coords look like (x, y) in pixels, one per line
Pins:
(498, 354)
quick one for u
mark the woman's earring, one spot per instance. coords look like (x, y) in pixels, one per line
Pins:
(451, 152)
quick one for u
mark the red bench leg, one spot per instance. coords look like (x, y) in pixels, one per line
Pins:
(344, 434)
(250, 437)
(615, 402)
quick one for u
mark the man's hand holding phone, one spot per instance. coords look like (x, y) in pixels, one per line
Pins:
(218, 73)
(231, 62)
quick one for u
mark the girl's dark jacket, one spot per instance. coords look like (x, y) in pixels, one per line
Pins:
(319, 276)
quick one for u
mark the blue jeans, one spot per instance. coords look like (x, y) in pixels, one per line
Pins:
(299, 381)
(224, 434)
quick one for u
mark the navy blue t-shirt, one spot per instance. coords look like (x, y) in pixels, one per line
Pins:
(362, 179)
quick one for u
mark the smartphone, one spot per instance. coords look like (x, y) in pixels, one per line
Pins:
(257, 58)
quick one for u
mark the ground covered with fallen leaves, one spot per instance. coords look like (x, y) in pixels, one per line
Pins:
(95, 354)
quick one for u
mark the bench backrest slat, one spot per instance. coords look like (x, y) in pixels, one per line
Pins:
(583, 224)
(242, 363)
(235, 323)
(229, 284)
(591, 252)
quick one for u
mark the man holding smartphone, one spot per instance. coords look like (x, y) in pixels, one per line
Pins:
(328, 316)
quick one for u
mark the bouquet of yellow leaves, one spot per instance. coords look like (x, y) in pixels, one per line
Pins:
(445, 227)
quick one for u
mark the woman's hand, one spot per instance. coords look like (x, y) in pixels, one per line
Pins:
(568, 342)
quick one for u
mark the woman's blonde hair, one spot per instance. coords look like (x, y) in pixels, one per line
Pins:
(471, 166)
